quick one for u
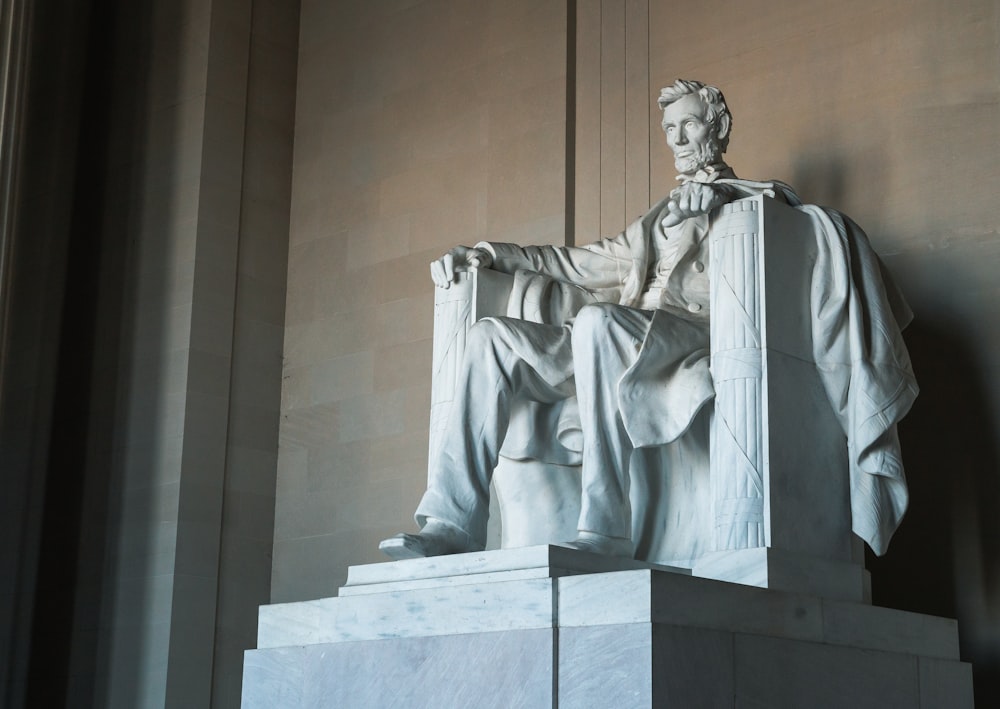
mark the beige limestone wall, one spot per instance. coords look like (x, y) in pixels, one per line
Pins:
(419, 125)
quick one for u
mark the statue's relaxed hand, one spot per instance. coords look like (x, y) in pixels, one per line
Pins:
(460, 258)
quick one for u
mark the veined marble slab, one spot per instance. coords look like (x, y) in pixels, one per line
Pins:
(860, 625)
(461, 593)
(482, 670)
(540, 572)
(781, 570)
(652, 597)
(640, 637)
(547, 561)
(442, 610)
(647, 596)
(551, 589)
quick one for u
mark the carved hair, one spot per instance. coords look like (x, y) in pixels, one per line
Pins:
(710, 95)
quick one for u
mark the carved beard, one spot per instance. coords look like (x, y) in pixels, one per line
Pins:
(704, 155)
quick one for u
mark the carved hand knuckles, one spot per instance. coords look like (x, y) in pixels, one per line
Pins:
(460, 258)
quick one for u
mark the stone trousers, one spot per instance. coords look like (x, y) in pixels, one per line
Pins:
(506, 359)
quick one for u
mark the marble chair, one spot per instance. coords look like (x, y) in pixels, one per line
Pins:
(758, 490)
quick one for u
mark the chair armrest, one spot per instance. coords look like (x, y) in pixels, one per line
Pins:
(474, 295)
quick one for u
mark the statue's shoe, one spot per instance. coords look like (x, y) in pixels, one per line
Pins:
(600, 544)
(435, 539)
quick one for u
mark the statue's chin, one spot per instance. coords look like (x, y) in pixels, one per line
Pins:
(690, 164)
(686, 166)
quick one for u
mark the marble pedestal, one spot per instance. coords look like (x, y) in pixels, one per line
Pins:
(547, 626)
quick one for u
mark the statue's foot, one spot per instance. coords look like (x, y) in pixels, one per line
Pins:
(600, 544)
(435, 539)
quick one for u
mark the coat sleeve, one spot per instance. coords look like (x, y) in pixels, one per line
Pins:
(603, 264)
(611, 263)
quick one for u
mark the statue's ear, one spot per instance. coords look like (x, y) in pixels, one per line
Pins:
(724, 122)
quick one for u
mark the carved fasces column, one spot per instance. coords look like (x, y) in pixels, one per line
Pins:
(781, 514)
(737, 450)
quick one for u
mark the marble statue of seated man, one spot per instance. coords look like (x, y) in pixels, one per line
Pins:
(637, 363)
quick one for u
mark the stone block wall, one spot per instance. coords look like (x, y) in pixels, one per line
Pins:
(418, 126)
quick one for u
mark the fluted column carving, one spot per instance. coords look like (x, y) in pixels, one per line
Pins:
(737, 441)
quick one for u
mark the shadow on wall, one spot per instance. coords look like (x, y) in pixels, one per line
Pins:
(829, 179)
(945, 558)
(820, 179)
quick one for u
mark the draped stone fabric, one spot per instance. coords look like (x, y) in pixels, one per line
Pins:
(857, 315)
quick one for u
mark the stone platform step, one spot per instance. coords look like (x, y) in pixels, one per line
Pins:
(549, 626)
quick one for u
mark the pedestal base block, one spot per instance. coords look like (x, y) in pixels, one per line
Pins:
(553, 627)
(513, 669)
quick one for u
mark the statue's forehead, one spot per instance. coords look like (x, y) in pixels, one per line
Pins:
(689, 106)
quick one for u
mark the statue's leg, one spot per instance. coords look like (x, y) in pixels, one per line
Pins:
(504, 359)
(606, 342)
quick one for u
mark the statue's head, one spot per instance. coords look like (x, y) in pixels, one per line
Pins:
(696, 122)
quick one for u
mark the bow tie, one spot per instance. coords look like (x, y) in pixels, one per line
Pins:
(709, 173)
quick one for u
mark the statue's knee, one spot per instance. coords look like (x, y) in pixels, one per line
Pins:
(593, 322)
(483, 335)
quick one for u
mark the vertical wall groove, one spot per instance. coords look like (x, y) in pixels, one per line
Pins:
(612, 120)
(571, 99)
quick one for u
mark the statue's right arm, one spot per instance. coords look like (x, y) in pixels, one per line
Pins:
(601, 264)
(460, 258)
(597, 265)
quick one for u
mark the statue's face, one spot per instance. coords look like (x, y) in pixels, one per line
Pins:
(690, 135)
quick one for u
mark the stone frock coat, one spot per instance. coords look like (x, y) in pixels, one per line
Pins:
(857, 315)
